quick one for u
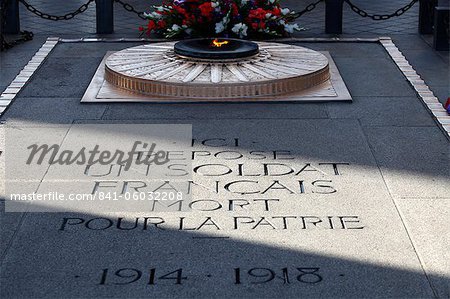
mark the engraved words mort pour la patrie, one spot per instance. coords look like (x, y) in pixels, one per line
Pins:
(227, 179)
(245, 188)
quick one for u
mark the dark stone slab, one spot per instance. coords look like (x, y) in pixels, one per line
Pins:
(50, 110)
(214, 111)
(62, 77)
(7, 75)
(9, 223)
(373, 77)
(383, 111)
(442, 92)
(415, 161)
(353, 50)
(94, 49)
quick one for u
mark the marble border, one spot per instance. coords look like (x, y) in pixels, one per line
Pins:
(427, 97)
(26, 73)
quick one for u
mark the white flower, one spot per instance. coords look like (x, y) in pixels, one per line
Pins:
(220, 27)
(285, 11)
(244, 2)
(156, 15)
(291, 28)
(271, 1)
(214, 4)
(240, 29)
(268, 15)
(175, 27)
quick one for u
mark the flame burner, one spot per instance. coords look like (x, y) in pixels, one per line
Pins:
(216, 49)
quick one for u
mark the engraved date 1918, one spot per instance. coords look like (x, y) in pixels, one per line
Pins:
(153, 276)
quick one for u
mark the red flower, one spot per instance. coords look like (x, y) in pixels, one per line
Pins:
(206, 9)
(276, 11)
(180, 10)
(234, 9)
(258, 13)
(161, 24)
(151, 25)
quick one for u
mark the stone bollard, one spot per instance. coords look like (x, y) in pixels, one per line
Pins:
(105, 16)
(333, 16)
(441, 28)
(12, 22)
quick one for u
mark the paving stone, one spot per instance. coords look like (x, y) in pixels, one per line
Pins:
(360, 74)
(383, 111)
(410, 42)
(369, 253)
(414, 161)
(214, 111)
(7, 75)
(424, 221)
(442, 92)
(424, 58)
(62, 77)
(17, 58)
(42, 111)
(10, 223)
(352, 50)
(89, 49)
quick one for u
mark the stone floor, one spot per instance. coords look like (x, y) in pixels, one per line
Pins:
(374, 228)
(430, 64)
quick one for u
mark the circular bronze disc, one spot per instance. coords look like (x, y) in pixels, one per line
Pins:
(154, 69)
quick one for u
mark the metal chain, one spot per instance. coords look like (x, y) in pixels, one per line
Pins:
(308, 8)
(130, 8)
(46, 16)
(377, 17)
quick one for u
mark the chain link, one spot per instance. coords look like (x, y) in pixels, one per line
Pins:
(47, 16)
(377, 17)
(308, 8)
(130, 8)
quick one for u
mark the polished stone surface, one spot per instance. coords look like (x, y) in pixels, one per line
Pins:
(322, 229)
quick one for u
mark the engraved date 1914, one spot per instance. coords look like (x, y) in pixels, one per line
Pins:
(153, 276)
